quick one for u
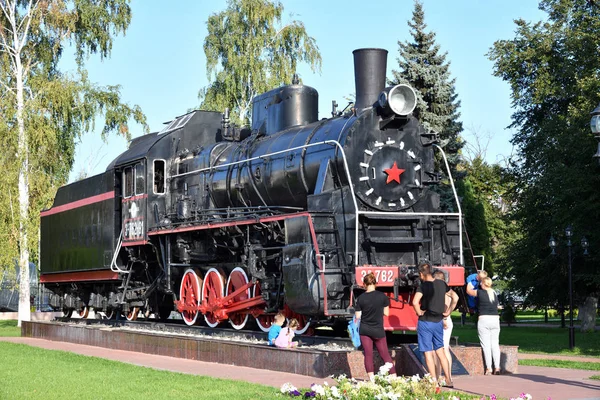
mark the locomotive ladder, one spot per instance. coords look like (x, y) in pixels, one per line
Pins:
(330, 248)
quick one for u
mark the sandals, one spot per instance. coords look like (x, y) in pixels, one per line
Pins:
(497, 372)
(488, 372)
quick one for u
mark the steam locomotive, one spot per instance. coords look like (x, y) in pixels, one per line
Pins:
(231, 225)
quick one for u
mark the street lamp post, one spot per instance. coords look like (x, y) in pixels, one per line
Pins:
(584, 245)
(569, 234)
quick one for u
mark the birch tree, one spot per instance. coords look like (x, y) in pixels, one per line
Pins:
(46, 110)
(248, 52)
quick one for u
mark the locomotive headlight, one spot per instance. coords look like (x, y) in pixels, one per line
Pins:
(400, 100)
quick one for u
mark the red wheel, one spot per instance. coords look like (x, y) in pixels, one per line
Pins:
(132, 315)
(213, 288)
(189, 294)
(84, 312)
(236, 280)
(303, 321)
(264, 322)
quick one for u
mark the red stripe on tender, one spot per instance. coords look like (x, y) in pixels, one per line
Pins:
(104, 275)
(79, 203)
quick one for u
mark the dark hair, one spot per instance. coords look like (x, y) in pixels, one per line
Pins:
(425, 268)
(369, 279)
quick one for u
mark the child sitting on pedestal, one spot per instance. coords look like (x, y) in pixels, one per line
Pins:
(284, 340)
(275, 328)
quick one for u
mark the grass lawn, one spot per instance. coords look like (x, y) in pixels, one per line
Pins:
(9, 328)
(45, 374)
(537, 340)
(532, 316)
(591, 366)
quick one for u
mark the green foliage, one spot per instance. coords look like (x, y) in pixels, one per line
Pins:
(58, 107)
(47, 374)
(9, 328)
(423, 67)
(248, 52)
(508, 314)
(552, 69)
(483, 192)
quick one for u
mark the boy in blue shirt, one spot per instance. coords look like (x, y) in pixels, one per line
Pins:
(473, 284)
(276, 328)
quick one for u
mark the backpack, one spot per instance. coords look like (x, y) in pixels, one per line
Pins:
(353, 332)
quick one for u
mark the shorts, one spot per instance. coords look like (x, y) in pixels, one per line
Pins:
(448, 331)
(430, 335)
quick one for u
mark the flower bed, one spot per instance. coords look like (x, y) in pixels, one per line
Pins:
(382, 387)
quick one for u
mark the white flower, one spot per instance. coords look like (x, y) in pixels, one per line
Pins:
(454, 398)
(528, 396)
(415, 378)
(287, 387)
(335, 392)
(392, 396)
(318, 389)
(385, 368)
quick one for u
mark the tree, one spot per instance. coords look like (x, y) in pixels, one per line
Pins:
(423, 67)
(552, 69)
(46, 110)
(248, 52)
(485, 204)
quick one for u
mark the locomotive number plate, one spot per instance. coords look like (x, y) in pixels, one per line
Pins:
(385, 276)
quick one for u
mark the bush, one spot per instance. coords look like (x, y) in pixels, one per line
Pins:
(508, 314)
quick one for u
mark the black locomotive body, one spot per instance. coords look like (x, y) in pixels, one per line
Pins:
(234, 224)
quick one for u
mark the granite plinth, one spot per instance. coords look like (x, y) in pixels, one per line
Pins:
(304, 361)
(471, 357)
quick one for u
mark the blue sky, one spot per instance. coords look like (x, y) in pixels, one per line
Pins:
(160, 63)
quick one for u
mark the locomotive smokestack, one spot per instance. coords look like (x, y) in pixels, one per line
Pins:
(369, 75)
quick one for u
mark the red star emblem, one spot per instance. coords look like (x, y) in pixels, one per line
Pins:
(393, 173)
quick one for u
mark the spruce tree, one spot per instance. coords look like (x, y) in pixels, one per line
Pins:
(425, 68)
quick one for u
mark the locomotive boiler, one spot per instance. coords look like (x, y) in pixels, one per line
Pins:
(229, 224)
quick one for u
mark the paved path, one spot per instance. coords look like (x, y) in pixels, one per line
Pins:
(541, 383)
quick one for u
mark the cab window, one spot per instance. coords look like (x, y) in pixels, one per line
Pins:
(159, 176)
(139, 179)
(128, 182)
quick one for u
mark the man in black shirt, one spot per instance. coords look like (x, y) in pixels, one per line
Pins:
(429, 304)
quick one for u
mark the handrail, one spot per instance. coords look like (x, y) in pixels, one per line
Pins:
(357, 213)
(462, 261)
(113, 264)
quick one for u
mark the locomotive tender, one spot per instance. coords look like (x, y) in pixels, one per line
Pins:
(234, 224)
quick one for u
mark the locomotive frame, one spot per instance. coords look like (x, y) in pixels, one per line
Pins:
(235, 224)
